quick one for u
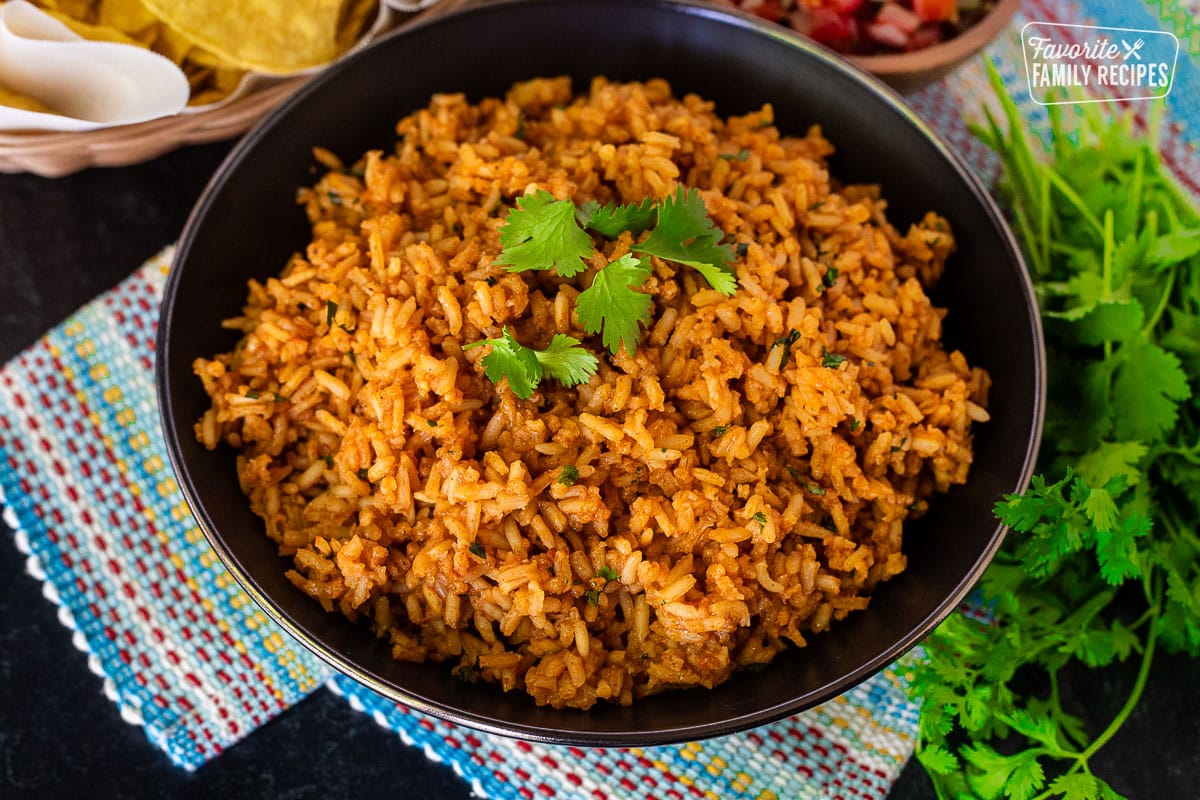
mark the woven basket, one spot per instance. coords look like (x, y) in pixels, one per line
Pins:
(53, 154)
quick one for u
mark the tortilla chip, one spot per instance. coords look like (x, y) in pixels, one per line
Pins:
(216, 42)
(212, 85)
(358, 14)
(129, 16)
(82, 10)
(263, 35)
(24, 102)
(94, 32)
(210, 76)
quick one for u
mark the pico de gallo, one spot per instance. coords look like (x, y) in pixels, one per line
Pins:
(869, 27)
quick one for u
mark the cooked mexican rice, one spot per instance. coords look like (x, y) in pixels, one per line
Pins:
(737, 485)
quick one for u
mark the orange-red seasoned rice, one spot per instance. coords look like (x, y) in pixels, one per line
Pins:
(727, 503)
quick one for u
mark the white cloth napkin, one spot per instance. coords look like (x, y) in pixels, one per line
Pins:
(88, 84)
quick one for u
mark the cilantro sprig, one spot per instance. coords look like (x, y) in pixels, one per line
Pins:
(544, 233)
(523, 367)
(1103, 560)
(685, 234)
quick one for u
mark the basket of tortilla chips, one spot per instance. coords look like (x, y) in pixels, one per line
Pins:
(114, 82)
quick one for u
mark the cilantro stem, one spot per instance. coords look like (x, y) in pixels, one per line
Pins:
(1160, 307)
(1066, 249)
(1189, 454)
(1169, 184)
(1147, 616)
(1081, 760)
(1076, 201)
(1075, 737)
(1045, 223)
(1109, 246)
(1154, 124)
(1135, 694)
(1020, 156)
(1135, 189)
(1022, 220)
(1107, 267)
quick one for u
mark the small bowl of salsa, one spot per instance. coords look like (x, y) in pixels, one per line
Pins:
(906, 43)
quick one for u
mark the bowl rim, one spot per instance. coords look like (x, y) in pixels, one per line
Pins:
(173, 428)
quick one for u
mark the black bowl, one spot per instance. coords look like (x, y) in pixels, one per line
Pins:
(247, 224)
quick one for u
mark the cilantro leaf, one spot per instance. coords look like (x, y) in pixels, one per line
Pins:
(1054, 531)
(1092, 646)
(611, 220)
(1038, 727)
(1080, 293)
(612, 305)
(1093, 408)
(568, 475)
(523, 367)
(1110, 321)
(1178, 245)
(1108, 459)
(938, 760)
(567, 362)
(542, 233)
(1018, 776)
(1027, 777)
(830, 359)
(1116, 549)
(685, 234)
(1182, 338)
(786, 343)
(1181, 610)
(1100, 508)
(1148, 385)
(1023, 512)
(511, 361)
(1075, 786)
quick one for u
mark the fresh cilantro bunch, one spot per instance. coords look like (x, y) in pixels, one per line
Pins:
(544, 233)
(1114, 248)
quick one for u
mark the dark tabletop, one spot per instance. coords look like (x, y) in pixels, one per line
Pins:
(65, 240)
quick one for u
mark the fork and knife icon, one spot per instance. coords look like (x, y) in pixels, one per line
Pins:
(1131, 50)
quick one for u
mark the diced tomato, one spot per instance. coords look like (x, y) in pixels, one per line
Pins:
(936, 10)
(829, 27)
(770, 10)
(859, 26)
(926, 36)
(845, 7)
(901, 17)
(888, 34)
